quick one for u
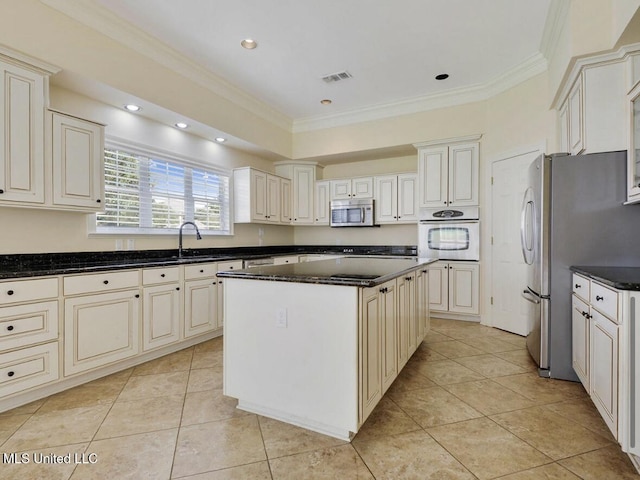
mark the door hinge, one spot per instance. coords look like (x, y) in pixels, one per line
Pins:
(491, 300)
(491, 239)
(491, 180)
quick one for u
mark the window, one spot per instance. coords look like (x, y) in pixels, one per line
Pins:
(146, 194)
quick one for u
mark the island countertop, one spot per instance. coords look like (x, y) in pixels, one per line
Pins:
(349, 271)
(622, 278)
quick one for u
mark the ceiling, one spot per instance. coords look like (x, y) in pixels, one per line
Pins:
(393, 49)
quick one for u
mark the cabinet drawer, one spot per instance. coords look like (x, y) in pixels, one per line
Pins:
(27, 368)
(28, 290)
(202, 270)
(285, 260)
(605, 300)
(153, 276)
(100, 282)
(581, 286)
(230, 265)
(28, 324)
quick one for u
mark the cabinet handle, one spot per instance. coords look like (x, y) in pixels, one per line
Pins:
(10, 327)
(10, 292)
(425, 271)
(577, 285)
(598, 298)
(11, 373)
(106, 282)
(586, 315)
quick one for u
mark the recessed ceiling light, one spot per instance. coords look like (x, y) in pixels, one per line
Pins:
(326, 101)
(181, 125)
(220, 139)
(249, 43)
(132, 108)
(442, 76)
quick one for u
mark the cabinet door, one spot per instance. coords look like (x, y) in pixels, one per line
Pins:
(22, 101)
(341, 189)
(370, 361)
(422, 305)
(322, 216)
(406, 319)
(433, 176)
(464, 288)
(386, 199)
(304, 182)
(160, 315)
(633, 155)
(259, 197)
(439, 286)
(273, 199)
(563, 120)
(100, 329)
(285, 201)
(576, 119)
(580, 325)
(200, 306)
(221, 267)
(362, 187)
(463, 174)
(78, 166)
(408, 197)
(388, 311)
(604, 369)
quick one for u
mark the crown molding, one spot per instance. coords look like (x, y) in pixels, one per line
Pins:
(556, 19)
(18, 58)
(107, 23)
(531, 67)
(449, 141)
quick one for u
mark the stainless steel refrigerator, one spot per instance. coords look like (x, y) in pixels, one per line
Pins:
(572, 214)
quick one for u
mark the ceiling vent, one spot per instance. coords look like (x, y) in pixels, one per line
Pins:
(336, 77)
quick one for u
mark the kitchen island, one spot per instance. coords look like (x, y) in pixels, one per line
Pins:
(317, 344)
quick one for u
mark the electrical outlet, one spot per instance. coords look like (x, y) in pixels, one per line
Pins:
(281, 318)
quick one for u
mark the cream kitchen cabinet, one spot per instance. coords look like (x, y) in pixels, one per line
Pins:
(322, 196)
(580, 340)
(406, 318)
(423, 319)
(258, 197)
(346, 188)
(454, 287)
(28, 334)
(633, 154)
(303, 181)
(161, 306)
(396, 198)
(286, 259)
(200, 299)
(221, 267)
(370, 351)
(286, 211)
(592, 114)
(23, 97)
(388, 310)
(76, 147)
(101, 319)
(448, 174)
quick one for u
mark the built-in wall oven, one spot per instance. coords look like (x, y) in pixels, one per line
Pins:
(452, 234)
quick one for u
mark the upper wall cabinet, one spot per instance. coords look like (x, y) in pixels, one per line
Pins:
(258, 197)
(448, 173)
(592, 115)
(396, 198)
(303, 182)
(347, 188)
(77, 157)
(633, 156)
(23, 96)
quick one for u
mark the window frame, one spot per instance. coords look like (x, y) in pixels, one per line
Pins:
(161, 155)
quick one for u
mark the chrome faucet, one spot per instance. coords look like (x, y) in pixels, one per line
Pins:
(198, 236)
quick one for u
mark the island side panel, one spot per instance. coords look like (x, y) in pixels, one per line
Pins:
(291, 352)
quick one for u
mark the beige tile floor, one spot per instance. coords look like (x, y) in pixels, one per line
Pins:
(469, 405)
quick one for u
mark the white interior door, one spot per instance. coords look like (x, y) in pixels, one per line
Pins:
(508, 271)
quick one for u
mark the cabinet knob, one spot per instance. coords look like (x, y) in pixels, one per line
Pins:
(11, 373)
(137, 295)
(599, 298)
(106, 282)
(177, 288)
(1, 190)
(577, 285)
(10, 292)
(10, 327)
(219, 282)
(201, 271)
(162, 275)
(98, 201)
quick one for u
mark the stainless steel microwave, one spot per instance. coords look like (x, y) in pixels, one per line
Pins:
(356, 212)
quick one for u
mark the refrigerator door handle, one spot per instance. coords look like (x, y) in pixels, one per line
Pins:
(527, 227)
(529, 296)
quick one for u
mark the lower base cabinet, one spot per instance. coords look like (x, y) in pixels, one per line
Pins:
(100, 329)
(454, 287)
(604, 369)
(28, 367)
(161, 315)
(200, 306)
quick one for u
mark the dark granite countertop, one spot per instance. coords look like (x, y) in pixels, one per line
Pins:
(347, 271)
(36, 265)
(622, 278)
